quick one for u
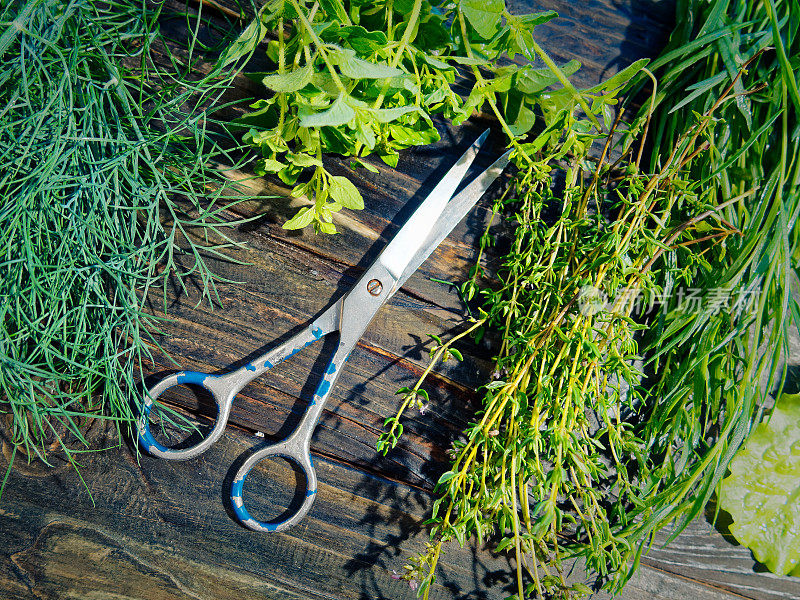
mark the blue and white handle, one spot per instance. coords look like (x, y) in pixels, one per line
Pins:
(224, 388)
(295, 448)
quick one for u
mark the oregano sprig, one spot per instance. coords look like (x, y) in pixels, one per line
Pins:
(357, 79)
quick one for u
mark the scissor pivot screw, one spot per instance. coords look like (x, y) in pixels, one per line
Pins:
(374, 287)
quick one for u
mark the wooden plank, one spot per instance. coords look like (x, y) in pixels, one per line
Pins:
(141, 535)
(709, 553)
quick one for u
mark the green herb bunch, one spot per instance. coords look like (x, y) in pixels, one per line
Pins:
(553, 464)
(607, 421)
(104, 173)
(716, 368)
(359, 78)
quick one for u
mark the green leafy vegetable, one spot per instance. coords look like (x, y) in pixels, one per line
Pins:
(762, 493)
(105, 181)
(362, 78)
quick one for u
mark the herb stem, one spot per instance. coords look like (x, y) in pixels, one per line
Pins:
(319, 45)
(401, 49)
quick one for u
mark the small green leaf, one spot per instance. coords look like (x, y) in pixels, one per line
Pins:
(470, 61)
(251, 36)
(328, 228)
(358, 68)
(404, 7)
(364, 42)
(531, 81)
(270, 165)
(617, 81)
(494, 385)
(301, 159)
(390, 159)
(365, 134)
(435, 62)
(289, 174)
(483, 15)
(357, 162)
(524, 122)
(324, 81)
(303, 218)
(343, 191)
(292, 81)
(447, 476)
(339, 113)
(335, 8)
(301, 188)
(387, 115)
(405, 136)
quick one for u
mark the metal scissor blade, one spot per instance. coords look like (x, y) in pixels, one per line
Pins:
(415, 232)
(455, 210)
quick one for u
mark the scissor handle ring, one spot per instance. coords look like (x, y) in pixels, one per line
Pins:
(204, 380)
(293, 449)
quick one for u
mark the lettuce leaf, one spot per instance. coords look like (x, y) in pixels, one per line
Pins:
(762, 494)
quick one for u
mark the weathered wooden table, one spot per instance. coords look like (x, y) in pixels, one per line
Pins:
(158, 530)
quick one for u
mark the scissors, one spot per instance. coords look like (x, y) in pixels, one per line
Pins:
(349, 316)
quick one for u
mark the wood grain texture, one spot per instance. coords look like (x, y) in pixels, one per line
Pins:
(161, 530)
(145, 528)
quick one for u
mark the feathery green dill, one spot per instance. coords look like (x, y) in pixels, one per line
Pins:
(107, 184)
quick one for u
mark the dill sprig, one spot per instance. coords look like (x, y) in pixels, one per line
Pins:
(109, 190)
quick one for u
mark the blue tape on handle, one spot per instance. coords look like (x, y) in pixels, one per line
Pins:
(237, 500)
(192, 377)
(324, 385)
(146, 439)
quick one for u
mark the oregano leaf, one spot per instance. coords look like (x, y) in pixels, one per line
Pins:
(270, 165)
(469, 61)
(390, 159)
(338, 113)
(335, 7)
(483, 15)
(357, 68)
(303, 218)
(292, 81)
(328, 228)
(387, 115)
(344, 192)
(531, 81)
(301, 159)
(621, 78)
(251, 36)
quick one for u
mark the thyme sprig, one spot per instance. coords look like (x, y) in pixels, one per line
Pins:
(563, 459)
